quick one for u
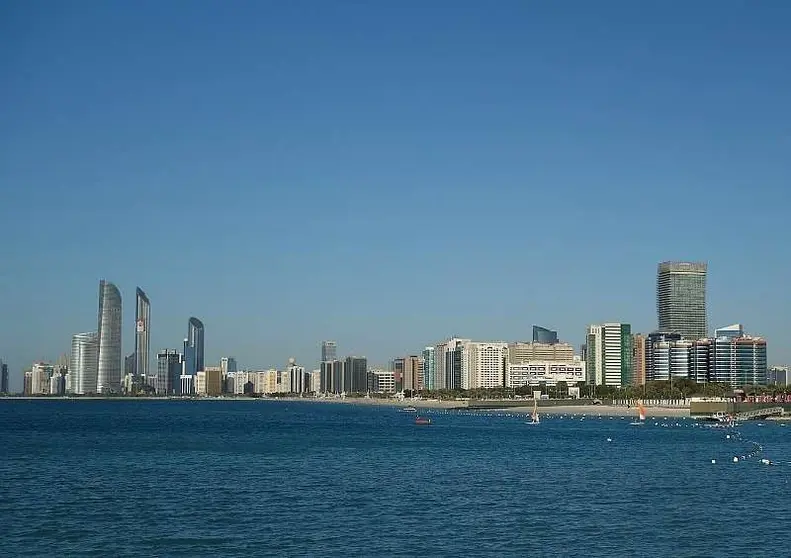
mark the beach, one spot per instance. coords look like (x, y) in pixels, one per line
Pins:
(580, 410)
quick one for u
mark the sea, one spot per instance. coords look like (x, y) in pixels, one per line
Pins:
(284, 478)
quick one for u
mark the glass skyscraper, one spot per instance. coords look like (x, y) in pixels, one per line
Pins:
(193, 348)
(544, 335)
(329, 351)
(681, 298)
(109, 333)
(142, 334)
(84, 358)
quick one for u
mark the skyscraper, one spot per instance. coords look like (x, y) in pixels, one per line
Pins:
(84, 360)
(329, 351)
(109, 358)
(193, 347)
(609, 355)
(681, 298)
(544, 335)
(429, 368)
(142, 334)
(168, 373)
(3, 377)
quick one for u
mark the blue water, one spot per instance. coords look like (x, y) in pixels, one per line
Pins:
(104, 478)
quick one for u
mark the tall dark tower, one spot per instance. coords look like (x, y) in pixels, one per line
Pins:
(681, 298)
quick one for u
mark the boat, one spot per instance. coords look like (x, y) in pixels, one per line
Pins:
(534, 414)
(640, 416)
(409, 410)
(422, 421)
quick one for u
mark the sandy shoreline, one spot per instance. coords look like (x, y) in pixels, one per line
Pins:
(581, 410)
(421, 404)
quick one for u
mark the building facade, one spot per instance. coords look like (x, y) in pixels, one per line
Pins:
(193, 347)
(638, 359)
(544, 335)
(142, 334)
(545, 372)
(169, 370)
(681, 298)
(526, 352)
(429, 369)
(329, 351)
(609, 354)
(381, 381)
(778, 375)
(667, 356)
(109, 332)
(737, 359)
(84, 371)
(484, 365)
(413, 374)
(4, 377)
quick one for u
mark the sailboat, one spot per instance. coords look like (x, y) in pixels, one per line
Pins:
(640, 415)
(534, 415)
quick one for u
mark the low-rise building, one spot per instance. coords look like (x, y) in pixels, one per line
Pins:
(549, 373)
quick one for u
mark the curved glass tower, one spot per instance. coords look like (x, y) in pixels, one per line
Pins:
(544, 335)
(142, 334)
(84, 353)
(109, 358)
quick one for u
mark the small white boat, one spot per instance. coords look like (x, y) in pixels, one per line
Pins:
(409, 410)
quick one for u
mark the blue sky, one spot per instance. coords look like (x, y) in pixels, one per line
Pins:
(386, 174)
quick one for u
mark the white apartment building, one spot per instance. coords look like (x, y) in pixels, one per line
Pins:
(40, 378)
(381, 381)
(609, 354)
(484, 365)
(314, 382)
(536, 372)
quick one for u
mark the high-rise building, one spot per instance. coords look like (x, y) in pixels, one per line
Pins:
(40, 376)
(413, 373)
(667, 355)
(638, 359)
(738, 359)
(332, 376)
(609, 354)
(195, 333)
(84, 360)
(109, 332)
(429, 369)
(778, 375)
(448, 363)
(355, 375)
(142, 334)
(681, 298)
(544, 335)
(228, 366)
(3, 377)
(484, 365)
(329, 351)
(168, 379)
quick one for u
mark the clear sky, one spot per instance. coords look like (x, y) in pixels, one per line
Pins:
(387, 174)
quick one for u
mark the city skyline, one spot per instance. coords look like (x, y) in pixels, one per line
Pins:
(193, 348)
(533, 163)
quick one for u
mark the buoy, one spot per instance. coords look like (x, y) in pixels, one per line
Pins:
(609, 439)
(727, 436)
(713, 461)
(735, 459)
